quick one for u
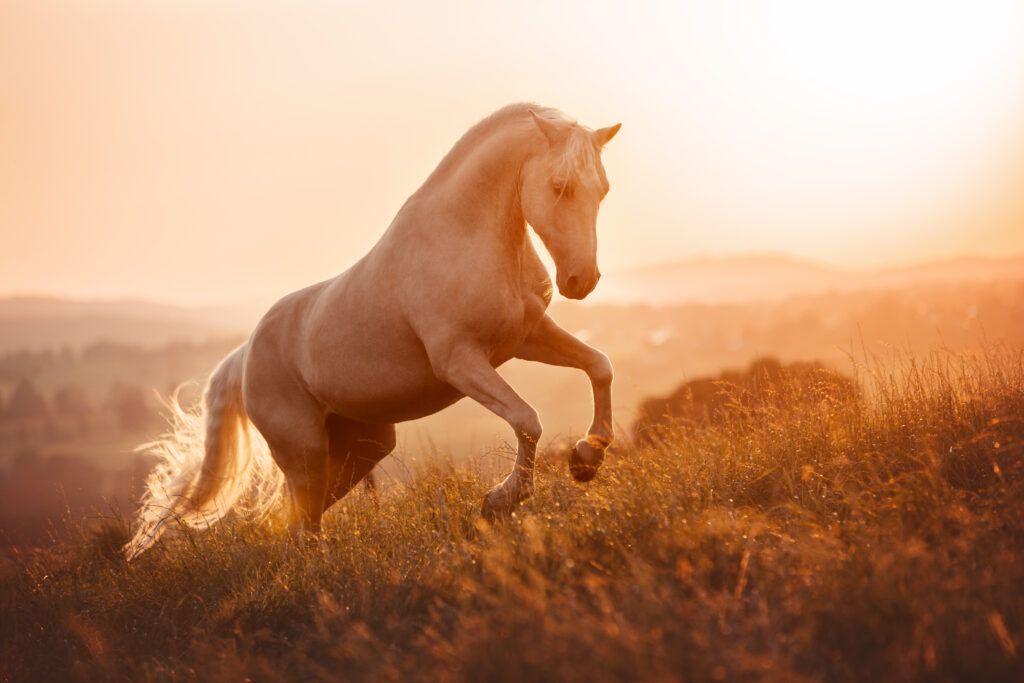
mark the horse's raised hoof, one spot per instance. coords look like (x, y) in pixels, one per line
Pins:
(584, 460)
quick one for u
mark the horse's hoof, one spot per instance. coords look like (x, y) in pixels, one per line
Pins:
(492, 510)
(486, 511)
(585, 460)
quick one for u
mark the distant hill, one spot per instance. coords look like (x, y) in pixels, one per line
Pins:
(740, 279)
(41, 322)
(40, 307)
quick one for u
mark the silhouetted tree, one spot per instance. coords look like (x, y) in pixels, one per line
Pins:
(129, 404)
(71, 404)
(26, 402)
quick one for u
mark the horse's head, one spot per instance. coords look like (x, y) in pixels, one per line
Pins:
(562, 189)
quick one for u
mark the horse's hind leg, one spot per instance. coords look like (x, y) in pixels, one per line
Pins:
(305, 469)
(355, 448)
(297, 438)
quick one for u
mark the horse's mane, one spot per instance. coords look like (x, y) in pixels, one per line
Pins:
(579, 150)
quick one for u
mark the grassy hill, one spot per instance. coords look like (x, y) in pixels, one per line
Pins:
(877, 537)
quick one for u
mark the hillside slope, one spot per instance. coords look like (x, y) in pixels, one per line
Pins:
(833, 541)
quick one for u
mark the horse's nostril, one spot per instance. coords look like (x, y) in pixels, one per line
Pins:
(572, 284)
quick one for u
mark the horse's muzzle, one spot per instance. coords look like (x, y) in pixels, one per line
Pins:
(577, 287)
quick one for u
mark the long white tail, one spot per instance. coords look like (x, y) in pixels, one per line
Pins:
(200, 478)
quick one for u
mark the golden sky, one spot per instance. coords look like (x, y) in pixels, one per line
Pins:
(213, 151)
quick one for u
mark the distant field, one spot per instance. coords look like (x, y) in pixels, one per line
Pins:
(875, 538)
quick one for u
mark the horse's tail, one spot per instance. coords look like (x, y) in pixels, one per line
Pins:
(201, 477)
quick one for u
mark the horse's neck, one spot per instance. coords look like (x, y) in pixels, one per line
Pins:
(483, 187)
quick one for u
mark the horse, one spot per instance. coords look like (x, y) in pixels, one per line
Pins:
(453, 289)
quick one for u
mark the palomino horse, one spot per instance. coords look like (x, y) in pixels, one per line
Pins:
(452, 290)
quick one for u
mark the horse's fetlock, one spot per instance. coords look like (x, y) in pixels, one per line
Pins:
(601, 439)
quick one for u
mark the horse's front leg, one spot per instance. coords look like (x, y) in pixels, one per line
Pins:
(469, 371)
(549, 343)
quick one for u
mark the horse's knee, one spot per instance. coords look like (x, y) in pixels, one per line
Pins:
(527, 423)
(600, 369)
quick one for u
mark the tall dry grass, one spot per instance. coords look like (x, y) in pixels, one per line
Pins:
(879, 537)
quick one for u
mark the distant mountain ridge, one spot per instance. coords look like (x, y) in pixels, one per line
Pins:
(35, 322)
(749, 278)
(35, 307)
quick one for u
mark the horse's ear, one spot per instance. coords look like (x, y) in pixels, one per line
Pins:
(550, 130)
(603, 135)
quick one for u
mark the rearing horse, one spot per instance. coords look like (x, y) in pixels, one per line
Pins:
(452, 290)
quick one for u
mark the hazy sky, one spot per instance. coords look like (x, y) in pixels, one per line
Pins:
(211, 151)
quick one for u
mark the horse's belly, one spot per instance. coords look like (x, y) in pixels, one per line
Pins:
(378, 378)
(389, 404)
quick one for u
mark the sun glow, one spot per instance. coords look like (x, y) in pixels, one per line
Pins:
(849, 132)
(263, 146)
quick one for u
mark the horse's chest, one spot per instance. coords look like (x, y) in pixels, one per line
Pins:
(535, 303)
(534, 287)
(521, 315)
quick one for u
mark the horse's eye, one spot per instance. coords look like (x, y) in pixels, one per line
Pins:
(561, 188)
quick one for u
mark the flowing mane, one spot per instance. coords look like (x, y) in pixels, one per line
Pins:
(580, 151)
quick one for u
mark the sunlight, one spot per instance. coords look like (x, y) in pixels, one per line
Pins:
(881, 61)
(865, 121)
(462, 383)
(859, 134)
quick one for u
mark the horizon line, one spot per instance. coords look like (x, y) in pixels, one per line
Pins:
(723, 257)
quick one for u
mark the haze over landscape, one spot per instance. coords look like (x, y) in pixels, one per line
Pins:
(812, 296)
(175, 153)
(777, 188)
